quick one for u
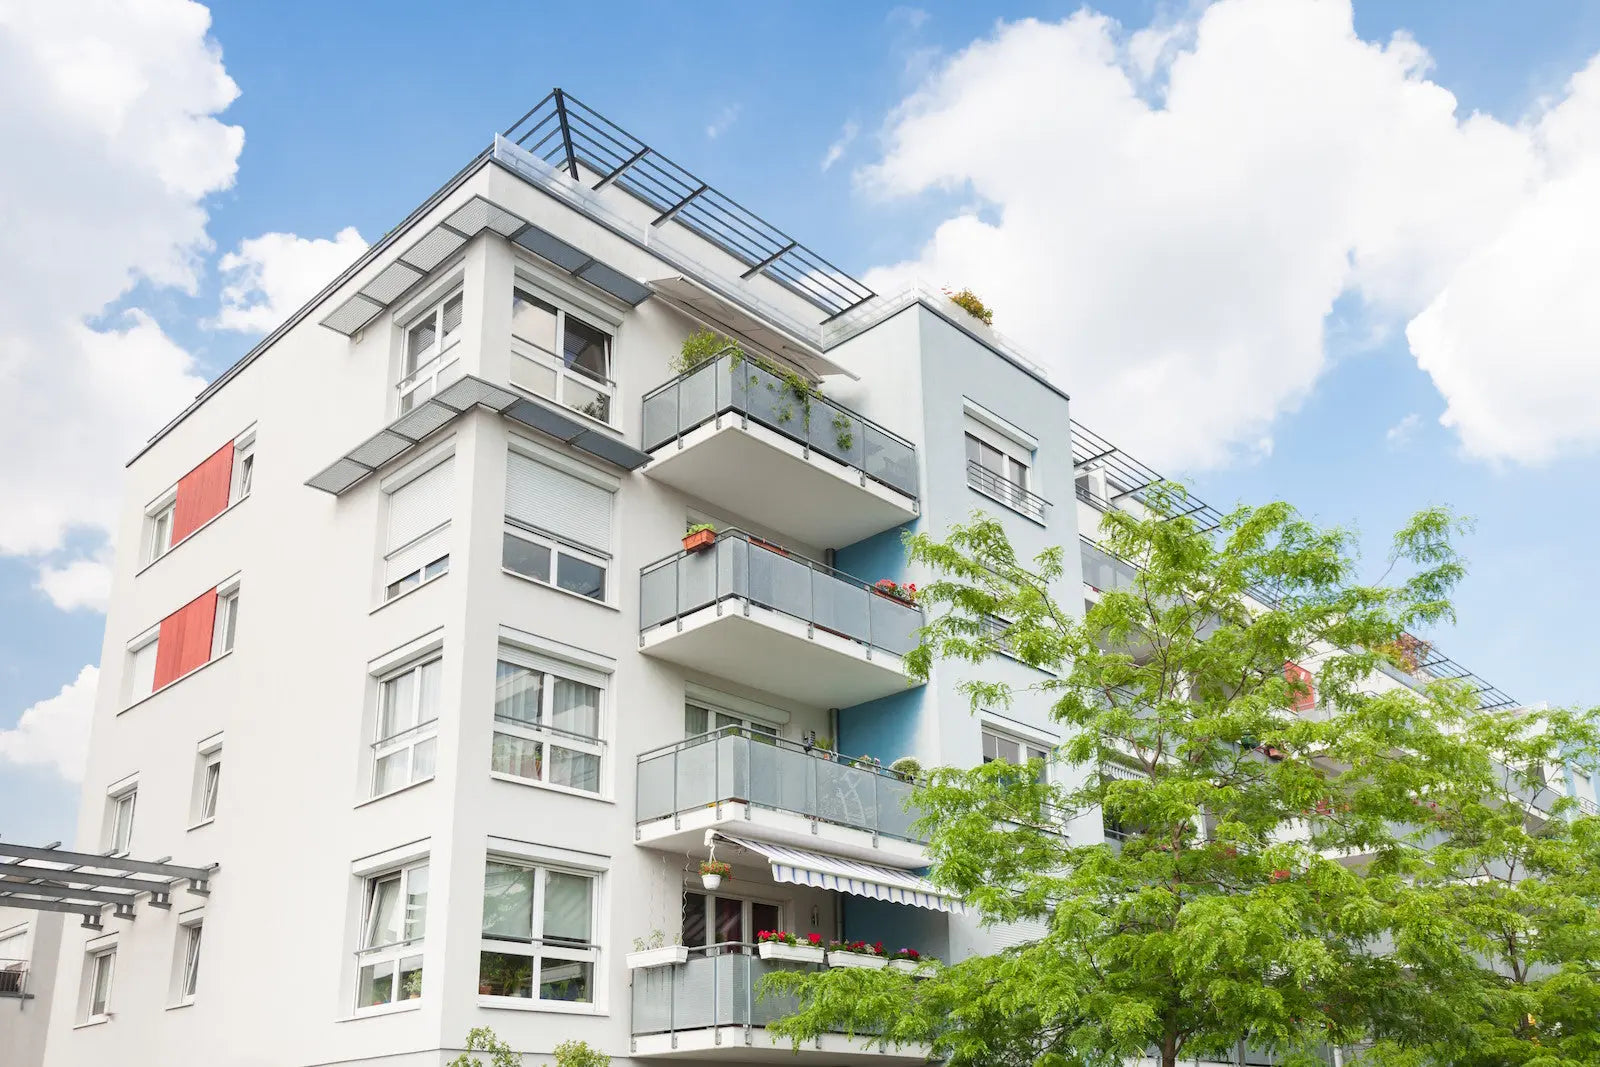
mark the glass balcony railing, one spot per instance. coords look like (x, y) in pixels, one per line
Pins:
(737, 566)
(716, 986)
(737, 764)
(1104, 571)
(730, 383)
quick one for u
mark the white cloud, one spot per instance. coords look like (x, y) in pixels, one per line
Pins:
(1401, 433)
(725, 118)
(81, 583)
(836, 150)
(55, 731)
(1168, 217)
(268, 278)
(107, 112)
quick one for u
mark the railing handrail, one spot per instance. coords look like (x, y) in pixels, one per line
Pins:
(1021, 490)
(813, 751)
(734, 533)
(539, 727)
(761, 362)
(561, 363)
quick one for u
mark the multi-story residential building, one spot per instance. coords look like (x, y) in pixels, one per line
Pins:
(418, 713)
(30, 943)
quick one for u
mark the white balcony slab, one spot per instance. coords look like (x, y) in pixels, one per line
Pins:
(737, 1044)
(686, 831)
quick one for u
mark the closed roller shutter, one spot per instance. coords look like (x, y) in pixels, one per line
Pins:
(558, 503)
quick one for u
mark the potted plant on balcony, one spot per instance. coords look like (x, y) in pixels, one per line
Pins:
(857, 954)
(699, 536)
(791, 947)
(907, 961)
(712, 872)
(893, 590)
(968, 301)
(654, 952)
(909, 768)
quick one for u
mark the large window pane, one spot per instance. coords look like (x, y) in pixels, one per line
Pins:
(581, 577)
(508, 901)
(419, 343)
(576, 708)
(416, 903)
(422, 759)
(730, 920)
(566, 907)
(526, 558)
(375, 984)
(694, 920)
(577, 770)
(399, 704)
(505, 974)
(517, 755)
(533, 320)
(383, 913)
(517, 692)
(569, 980)
(584, 348)
(430, 685)
(696, 720)
(393, 771)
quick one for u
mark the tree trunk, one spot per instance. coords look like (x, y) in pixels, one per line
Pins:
(1169, 1051)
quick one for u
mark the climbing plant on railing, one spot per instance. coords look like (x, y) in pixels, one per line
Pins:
(789, 391)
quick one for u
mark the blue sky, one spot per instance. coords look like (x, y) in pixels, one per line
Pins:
(351, 114)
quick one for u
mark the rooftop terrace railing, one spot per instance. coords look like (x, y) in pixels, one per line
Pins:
(738, 764)
(731, 383)
(738, 566)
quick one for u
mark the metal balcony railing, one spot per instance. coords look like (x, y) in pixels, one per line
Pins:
(13, 978)
(735, 764)
(1006, 491)
(738, 566)
(731, 383)
(718, 986)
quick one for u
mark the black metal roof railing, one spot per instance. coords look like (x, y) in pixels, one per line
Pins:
(567, 133)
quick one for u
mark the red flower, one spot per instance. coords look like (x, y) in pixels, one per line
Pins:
(1280, 875)
(815, 939)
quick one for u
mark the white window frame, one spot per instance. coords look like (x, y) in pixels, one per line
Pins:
(537, 949)
(558, 549)
(207, 783)
(134, 688)
(433, 367)
(430, 569)
(99, 976)
(405, 956)
(418, 578)
(549, 736)
(158, 519)
(1027, 748)
(225, 622)
(714, 713)
(410, 738)
(244, 463)
(186, 960)
(122, 804)
(524, 349)
(746, 913)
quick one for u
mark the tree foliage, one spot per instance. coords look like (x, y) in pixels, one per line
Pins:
(1353, 872)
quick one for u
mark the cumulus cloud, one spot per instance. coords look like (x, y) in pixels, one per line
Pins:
(108, 111)
(837, 149)
(1400, 434)
(55, 731)
(1166, 217)
(268, 278)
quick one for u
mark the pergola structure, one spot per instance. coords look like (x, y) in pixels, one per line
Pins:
(84, 884)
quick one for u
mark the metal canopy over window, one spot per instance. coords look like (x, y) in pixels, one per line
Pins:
(567, 134)
(84, 884)
(463, 224)
(468, 392)
(799, 867)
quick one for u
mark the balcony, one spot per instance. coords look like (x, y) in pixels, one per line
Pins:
(711, 1008)
(733, 433)
(743, 610)
(773, 790)
(14, 979)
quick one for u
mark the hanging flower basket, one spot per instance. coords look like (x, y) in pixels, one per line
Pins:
(712, 872)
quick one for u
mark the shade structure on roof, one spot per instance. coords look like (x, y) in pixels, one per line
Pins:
(799, 867)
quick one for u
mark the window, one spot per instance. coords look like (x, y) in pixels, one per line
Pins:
(244, 469)
(1003, 475)
(560, 356)
(1008, 749)
(158, 531)
(207, 784)
(547, 723)
(698, 720)
(98, 970)
(227, 618)
(119, 819)
(711, 919)
(394, 921)
(538, 934)
(558, 527)
(418, 539)
(408, 720)
(997, 627)
(139, 678)
(430, 361)
(14, 960)
(188, 976)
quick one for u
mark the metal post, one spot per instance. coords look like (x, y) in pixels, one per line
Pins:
(566, 133)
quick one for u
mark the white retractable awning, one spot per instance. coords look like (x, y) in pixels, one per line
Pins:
(848, 876)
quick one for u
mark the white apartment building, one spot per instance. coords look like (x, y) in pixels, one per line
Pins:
(416, 713)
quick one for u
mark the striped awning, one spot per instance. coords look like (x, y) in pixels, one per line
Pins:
(849, 876)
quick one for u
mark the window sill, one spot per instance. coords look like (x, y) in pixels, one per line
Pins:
(191, 534)
(1008, 505)
(551, 787)
(198, 825)
(394, 792)
(93, 1020)
(179, 679)
(608, 605)
(378, 1011)
(556, 1007)
(189, 1003)
(414, 589)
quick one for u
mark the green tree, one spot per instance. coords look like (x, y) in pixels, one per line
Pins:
(1267, 858)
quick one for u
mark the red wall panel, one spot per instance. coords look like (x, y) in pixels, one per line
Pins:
(1303, 701)
(203, 493)
(185, 640)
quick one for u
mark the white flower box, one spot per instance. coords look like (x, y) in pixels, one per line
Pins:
(659, 957)
(857, 959)
(777, 950)
(905, 966)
